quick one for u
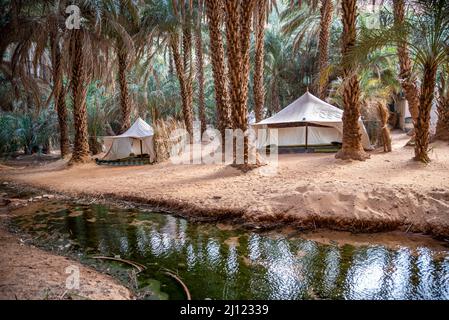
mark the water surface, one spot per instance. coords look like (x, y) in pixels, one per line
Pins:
(227, 263)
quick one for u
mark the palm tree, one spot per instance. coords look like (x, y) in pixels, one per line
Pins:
(79, 80)
(352, 141)
(215, 14)
(169, 19)
(408, 82)
(305, 23)
(59, 92)
(326, 11)
(442, 128)
(427, 38)
(186, 25)
(200, 66)
(278, 67)
(259, 91)
(238, 31)
(30, 37)
(86, 56)
(120, 24)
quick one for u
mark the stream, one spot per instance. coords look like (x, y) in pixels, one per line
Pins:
(218, 261)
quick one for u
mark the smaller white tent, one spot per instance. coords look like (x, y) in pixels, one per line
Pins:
(307, 121)
(138, 139)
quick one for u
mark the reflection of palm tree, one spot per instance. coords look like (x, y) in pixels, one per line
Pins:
(347, 254)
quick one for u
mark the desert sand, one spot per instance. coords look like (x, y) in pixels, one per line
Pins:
(27, 272)
(387, 192)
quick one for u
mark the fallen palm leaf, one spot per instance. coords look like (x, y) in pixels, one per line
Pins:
(138, 266)
(174, 276)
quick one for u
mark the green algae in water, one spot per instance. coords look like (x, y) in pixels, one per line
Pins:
(227, 263)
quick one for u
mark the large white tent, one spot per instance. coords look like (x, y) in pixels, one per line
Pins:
(307, 121)
(137, 140)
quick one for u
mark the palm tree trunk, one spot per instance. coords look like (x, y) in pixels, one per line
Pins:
(170, 63)
(200, 74)
(259, 91)
(123, 83)
(276, 104)
(326, 11)
(408, 83)
(59, 97)
(183, 83)
(442, 129)
(79, 89)
(425, 107)
(352, 139)
(238, 28)
(214, 11)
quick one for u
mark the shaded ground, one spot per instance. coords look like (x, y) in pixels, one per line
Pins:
(387, 192)
(27, 272)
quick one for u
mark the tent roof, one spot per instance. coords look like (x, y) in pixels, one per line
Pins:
(307, 108)
(140, 129)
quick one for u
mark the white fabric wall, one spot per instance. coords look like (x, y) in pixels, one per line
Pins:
(122, 147)
(297, 136)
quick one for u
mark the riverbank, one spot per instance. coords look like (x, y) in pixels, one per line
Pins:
(29, 273)
(387, 192)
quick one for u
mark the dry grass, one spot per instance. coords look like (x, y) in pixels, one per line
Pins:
(164, 130)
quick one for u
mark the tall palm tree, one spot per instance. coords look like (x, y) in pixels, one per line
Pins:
(120, 24)
(87, 51)
(408, 82)
(215, 15)
(259, 91)
(200, 66)
(326, 12)
(169, 19)
(79, 80)
(305, 23)
(30, 36)
(59, 92)
(278, 66)
(186, 21)
(352, 140)
(238, 31)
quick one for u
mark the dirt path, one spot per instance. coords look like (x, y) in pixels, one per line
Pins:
(28, 273)
(387, 192)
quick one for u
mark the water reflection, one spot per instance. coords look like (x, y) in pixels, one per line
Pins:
(234, 264)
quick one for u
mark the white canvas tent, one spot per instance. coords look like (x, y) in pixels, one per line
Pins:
(307, 121)
(137, 140)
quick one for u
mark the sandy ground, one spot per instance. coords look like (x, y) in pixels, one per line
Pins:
(387, 192)
(28, 273)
